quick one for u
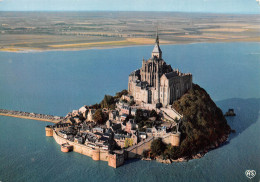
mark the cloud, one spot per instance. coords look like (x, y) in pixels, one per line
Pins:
(258, 1)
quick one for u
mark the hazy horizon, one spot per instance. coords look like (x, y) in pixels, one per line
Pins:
(181, 12)
(184, 6)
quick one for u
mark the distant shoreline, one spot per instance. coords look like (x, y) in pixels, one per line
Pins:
(32, 50)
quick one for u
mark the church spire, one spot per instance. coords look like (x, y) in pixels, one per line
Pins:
(157, 38)
(157, 50)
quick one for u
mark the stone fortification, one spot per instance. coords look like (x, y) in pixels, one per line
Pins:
(49, 130)
(96, 155)
(114, 160)
(172, 138)
(83, 149)
(137, 150)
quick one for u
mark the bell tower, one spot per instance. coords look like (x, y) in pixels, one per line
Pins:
(157, 50)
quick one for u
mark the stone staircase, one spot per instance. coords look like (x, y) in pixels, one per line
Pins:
(170, 113)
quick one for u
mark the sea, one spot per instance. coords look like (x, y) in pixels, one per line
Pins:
(57, 82)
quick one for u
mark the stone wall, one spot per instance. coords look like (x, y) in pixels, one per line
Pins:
(172, 138)
(49, 131)
(137, 150)
(83, 149)
(115, 160)
(170, 113)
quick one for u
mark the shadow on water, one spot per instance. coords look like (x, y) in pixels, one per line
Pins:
(247, 113)
(129, 161)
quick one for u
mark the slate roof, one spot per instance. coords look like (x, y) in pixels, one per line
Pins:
(157, 49)
(136, 72)
(116, 127)
(170, 75)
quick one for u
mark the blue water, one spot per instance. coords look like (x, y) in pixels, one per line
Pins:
(57, 82)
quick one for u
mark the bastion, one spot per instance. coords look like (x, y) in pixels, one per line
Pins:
(114, 160)
(49, 130)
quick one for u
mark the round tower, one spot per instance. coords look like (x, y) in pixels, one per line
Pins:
(175, 139)
(96, 155)
(49, 131)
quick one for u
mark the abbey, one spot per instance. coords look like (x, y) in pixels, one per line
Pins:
(156, 82)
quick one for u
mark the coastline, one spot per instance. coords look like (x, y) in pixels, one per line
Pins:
(199, 155)
(26, 117)
(36, 50)
(29, 117)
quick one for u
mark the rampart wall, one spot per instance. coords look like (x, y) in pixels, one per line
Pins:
(138, 149)
(82, 149)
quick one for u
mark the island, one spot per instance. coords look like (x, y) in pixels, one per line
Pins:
(163, 115)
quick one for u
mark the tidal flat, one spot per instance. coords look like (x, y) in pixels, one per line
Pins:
(40, 31)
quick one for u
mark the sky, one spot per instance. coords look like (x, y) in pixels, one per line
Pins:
(208, 6)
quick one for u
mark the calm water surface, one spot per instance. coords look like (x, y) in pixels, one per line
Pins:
(57, 82)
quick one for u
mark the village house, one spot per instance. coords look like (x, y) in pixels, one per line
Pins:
(75, 113)
(123, 117)
(130, 125)
(113, 115)
(90, 116)
(98, 129)
(156, 131)
(128, 98)
(125, 110)
(84, 111)
(133, 111)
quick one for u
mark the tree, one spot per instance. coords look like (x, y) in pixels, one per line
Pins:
(99, 117)
(177, 121)
(108, 102)
(145, 153)
(132, 102)
(157, 146)
(138, 115)
(128, 142)
(203, 122)
(95, 106)
(81, 118)
(153, 113)
(119, 94)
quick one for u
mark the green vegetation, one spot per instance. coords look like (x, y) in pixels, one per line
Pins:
(139, 116)
(95, 106)
(142, 119)
(157, 147)
(109, 101)
(119, 94)
(203, 125)
(153, 113)
(99, 117)
(128, 142)
(145, 153)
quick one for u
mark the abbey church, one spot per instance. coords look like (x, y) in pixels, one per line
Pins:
(156, 82)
